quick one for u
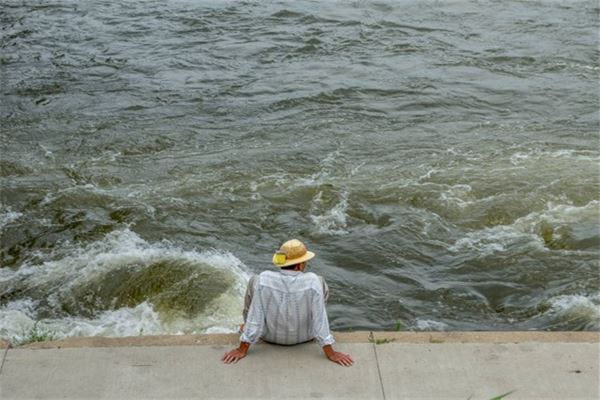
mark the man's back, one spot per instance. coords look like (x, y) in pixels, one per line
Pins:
(288, 307)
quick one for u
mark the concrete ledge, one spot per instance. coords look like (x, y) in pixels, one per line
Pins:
(136, 341)
(389, 365)
(487, 337)
(341, 337)
(169, 340)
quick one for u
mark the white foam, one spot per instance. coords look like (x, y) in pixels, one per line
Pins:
(327, 166)
(430, 325)
(332, 221)
(569, 307)
(47, 152)
(126, 321)
(26, 306)
(524, 231)
(9, 217)
(574, 65)
(17, 318)
(459, 195)
(560, 214)
(477, 243)
(427, 175)
(118, 248)
(356, 169)
(494, 240)
(80, 265)
(568, 154)
(582, 219)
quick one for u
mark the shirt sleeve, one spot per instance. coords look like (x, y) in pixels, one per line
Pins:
(325, 289)
(248, 297)
(255, 321)
(320, 323)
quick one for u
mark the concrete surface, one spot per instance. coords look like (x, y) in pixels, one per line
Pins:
(343, 337)
(403, 365)
(483, 371)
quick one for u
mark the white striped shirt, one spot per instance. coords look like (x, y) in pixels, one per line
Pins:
(287, 307)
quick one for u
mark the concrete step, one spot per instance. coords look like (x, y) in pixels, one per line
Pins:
(403, 365)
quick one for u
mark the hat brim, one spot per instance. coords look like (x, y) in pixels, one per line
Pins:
(309, 255)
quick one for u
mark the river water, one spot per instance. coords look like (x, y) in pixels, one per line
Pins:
(441, 158)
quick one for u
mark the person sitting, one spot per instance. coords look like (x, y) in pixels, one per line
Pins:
(287, 306)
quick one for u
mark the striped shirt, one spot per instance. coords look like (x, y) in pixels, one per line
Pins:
(286, 307)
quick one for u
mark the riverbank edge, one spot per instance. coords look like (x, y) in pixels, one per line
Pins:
(377, 337)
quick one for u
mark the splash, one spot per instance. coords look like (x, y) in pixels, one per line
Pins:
(559, 227)
(569, 309)
(430, 325)
(329, 221)
(8, 217)
(123, 285)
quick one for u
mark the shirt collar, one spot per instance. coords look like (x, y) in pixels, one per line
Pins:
(289, 272)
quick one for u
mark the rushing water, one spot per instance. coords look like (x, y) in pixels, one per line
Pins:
(441, 158)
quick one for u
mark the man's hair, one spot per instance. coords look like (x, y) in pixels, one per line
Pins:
(289, 267)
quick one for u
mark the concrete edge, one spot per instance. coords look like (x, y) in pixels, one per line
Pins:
(5, 346)
(341, 337)
(486, 337)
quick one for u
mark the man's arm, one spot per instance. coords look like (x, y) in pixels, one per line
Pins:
(252, 328)
(323, 335)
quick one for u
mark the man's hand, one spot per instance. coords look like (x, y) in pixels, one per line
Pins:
(337, 357)
(341, 358)
(236, 354)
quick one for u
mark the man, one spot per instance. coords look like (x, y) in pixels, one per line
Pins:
(287, 306)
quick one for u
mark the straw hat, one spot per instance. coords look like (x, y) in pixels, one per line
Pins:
(291, 252)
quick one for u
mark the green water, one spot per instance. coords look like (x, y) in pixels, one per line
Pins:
(441, 158)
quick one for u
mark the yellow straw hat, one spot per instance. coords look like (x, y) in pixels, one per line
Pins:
(292, 252)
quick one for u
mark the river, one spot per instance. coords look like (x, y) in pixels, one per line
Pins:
(441, 158)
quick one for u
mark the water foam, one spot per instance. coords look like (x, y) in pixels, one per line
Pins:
(332, 221)
(327, 168)
(17, 320)
(498, 239)
(430, 325)
(459, 195)
(8, 217)
(526, 230)
(564, 226)
(577, 307)
(521, 157)
(75, 266)
(561, 214)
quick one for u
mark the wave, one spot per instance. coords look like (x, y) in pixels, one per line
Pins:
(570, 309)
(123, 285)
(18, 318)
(564, 226)
(566, 154)
(329, 221)
(559, 227)
(8, 216)
(429, 325)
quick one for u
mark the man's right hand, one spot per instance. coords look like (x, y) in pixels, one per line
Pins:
(235, 355)
(338, 357)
